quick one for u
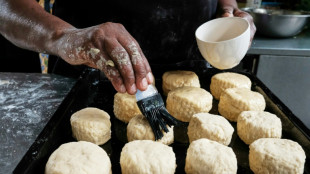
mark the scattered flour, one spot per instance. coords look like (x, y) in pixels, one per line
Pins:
(135, 56)
(93, 52)
(121, 56)
(26, 105)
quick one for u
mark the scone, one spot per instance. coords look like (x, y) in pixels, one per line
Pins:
(78, 158)
(147, 157)
(92, 125)
(184, 102)
(235, 100)
(210, 157)
(253, 125)
(212, 127)
(125, 106)
(139, 128)
(222, 81)
(176, 79)
(274, 155)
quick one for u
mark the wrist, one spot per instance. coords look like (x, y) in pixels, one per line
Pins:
(57, 40)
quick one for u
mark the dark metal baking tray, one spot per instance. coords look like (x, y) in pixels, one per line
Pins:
(93, 90)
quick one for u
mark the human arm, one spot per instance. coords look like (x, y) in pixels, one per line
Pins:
(108, 46)
(229, 8)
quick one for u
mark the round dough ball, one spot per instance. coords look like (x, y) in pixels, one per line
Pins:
(253, 125)
(139, 129)
(274, 155)
(92, 125)
(235, 100)
(210, 157)
(125, 106)
(176, 79)
(78, 158)
(147, 157)
(184, 102)
(222, 81)
(212, 127)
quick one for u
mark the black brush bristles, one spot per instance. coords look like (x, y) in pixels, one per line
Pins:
(153, 108)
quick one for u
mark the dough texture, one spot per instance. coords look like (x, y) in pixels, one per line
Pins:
(212, 127)
(176, 79)
(210, 157)
(277, 156)
(235, 100)
(253, 125)
(139, 128)
(184, 102)
(147, 157)
(222, 81)
(92, 125)
(125, 107)
(78, 158)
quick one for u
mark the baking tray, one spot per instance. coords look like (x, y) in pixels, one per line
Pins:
(94, 90)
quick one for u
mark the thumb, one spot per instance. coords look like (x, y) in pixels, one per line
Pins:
(228, 12)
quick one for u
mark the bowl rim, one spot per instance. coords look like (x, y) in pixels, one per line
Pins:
(304, 14)
(228, 40)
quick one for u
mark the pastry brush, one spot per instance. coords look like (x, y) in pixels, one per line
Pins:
(153, 108)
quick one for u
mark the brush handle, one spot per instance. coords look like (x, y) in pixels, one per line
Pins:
(150, 91)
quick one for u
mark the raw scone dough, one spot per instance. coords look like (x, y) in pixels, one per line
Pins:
(78, 158)
(235, 100)
(92, 125)
(176, 79)
(147, 157)
(139, 128)
(210, 157)
(125, 107)
(212, 127)
(253, 125)
(184, 102)
(277, 156)
(222, 81)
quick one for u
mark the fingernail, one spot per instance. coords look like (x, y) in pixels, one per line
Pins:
(144, 83)
(150, 78)
(123, 89)
(133, 88)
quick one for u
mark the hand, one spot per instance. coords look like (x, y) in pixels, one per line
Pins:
(231, 11)
(111, 49)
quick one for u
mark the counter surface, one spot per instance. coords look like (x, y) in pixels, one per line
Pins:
(27, 102)
(293, 46)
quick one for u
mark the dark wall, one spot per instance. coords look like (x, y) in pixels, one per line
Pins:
(14, 59)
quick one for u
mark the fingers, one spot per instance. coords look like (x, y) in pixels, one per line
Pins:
(138, 59)
(228, 11)
(122, 62)
(140, 66)
(137, 64)
(143, 75)
(105, 64)
(249, 18)
(149, 75)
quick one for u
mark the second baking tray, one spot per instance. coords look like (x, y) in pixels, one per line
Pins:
(93, 90)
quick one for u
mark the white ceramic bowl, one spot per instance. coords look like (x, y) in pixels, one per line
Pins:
(223, 42)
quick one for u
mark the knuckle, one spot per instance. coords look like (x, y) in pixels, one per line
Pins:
(120, 25)
(97, 33)
(109, 23)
